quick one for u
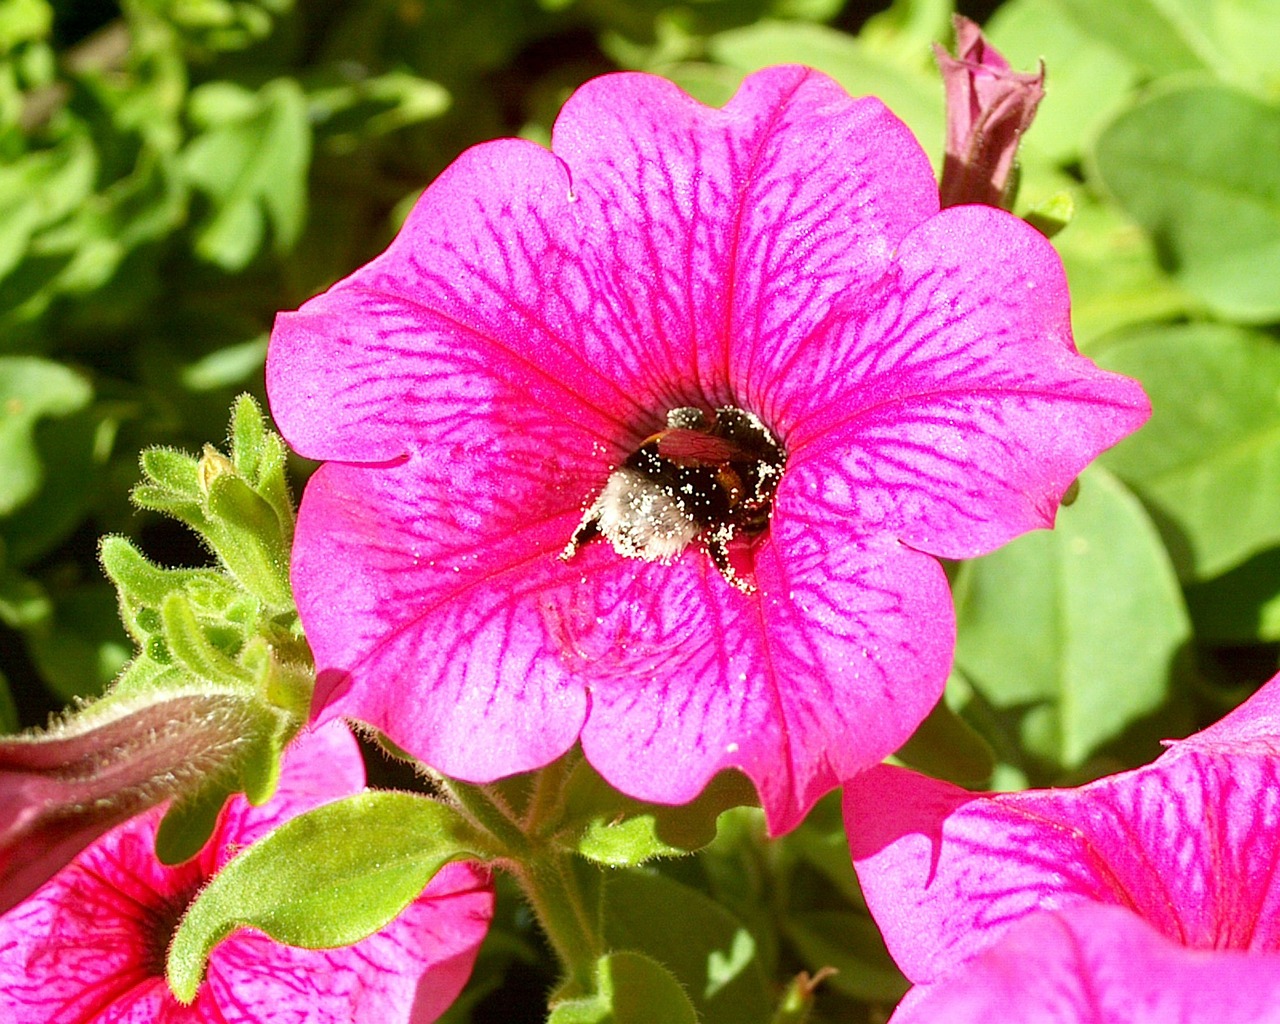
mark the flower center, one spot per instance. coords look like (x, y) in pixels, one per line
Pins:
(704, 478)
(161, 922)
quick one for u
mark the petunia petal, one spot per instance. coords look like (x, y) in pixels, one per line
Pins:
(410, 971)
(1252, 728)
(604, 284)
(91, 943)
(483, 298)
(824, 671)
(1191, 843)
(950, 404)
(724, 236)
(403, 595)
(1099, 965)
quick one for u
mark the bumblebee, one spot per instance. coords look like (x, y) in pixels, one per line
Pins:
(701, 479)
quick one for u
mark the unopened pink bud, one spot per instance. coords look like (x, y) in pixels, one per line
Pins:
(989, 106)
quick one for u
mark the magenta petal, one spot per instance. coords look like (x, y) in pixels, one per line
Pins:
(1099, 965)
(799, 685)
(725, 236)
(969, 411)
(410, 971)
(538, 318)
(482, 299)
(400, 596)
(1252, 728)
(1191, 843)
(64, 787)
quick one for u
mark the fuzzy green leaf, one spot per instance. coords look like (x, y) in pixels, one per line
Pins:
(327, 878)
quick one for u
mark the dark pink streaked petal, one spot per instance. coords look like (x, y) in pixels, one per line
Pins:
(1099, 965)
(1190, 843)
(64, 787)
(538, 317)
(410, 971)
(605, 289)
(483, 300)
(723, 237)
(682, 681)
(798, 685)
(429, 619)
(952, 410)
(1252, 728)
(90, 945)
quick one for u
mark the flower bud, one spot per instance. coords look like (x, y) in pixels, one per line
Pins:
(989, 106)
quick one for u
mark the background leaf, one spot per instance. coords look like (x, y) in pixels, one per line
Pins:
(711, 953)
(631, 989)
(1194, 166)
(1078, 629)
(1207, 465)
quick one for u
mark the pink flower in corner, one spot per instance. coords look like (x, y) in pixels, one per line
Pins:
(91, 943)
(1148, 896)
(650, 441)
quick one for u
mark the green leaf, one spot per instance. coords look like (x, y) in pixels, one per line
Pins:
(31, 389)
(604, 826)
(851, 943)
(630, 989)
(910, 91)
(711, 952)
(327, 878)
(1248, 32)
(1159, 36)
(1241, 606)
(1194, 165)
(8, 710)
(251, 162)
(1207, 465)
(947, 747)
(40, 188)
(1115, 279)
(22, 21)
(81, 647)
(1079, 627)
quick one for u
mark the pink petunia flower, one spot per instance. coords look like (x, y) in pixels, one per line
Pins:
(650, 442)
(1158, 880)
(90, 945)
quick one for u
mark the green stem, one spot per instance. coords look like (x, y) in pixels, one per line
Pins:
(568, 911)
(563, 891)
(546, 793)
(487, 811)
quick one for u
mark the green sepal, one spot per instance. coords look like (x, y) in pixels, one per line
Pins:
(249, 538)
(143, 586)
(193, 648)
(187, 826)
(190, 821)
(260, 457)
(630, 989)
(606, 827)
(327, 878)
(1051, 215)
(240, 505)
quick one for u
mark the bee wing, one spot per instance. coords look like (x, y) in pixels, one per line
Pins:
(696, 446)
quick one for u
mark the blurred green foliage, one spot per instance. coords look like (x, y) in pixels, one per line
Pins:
(173, 172)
